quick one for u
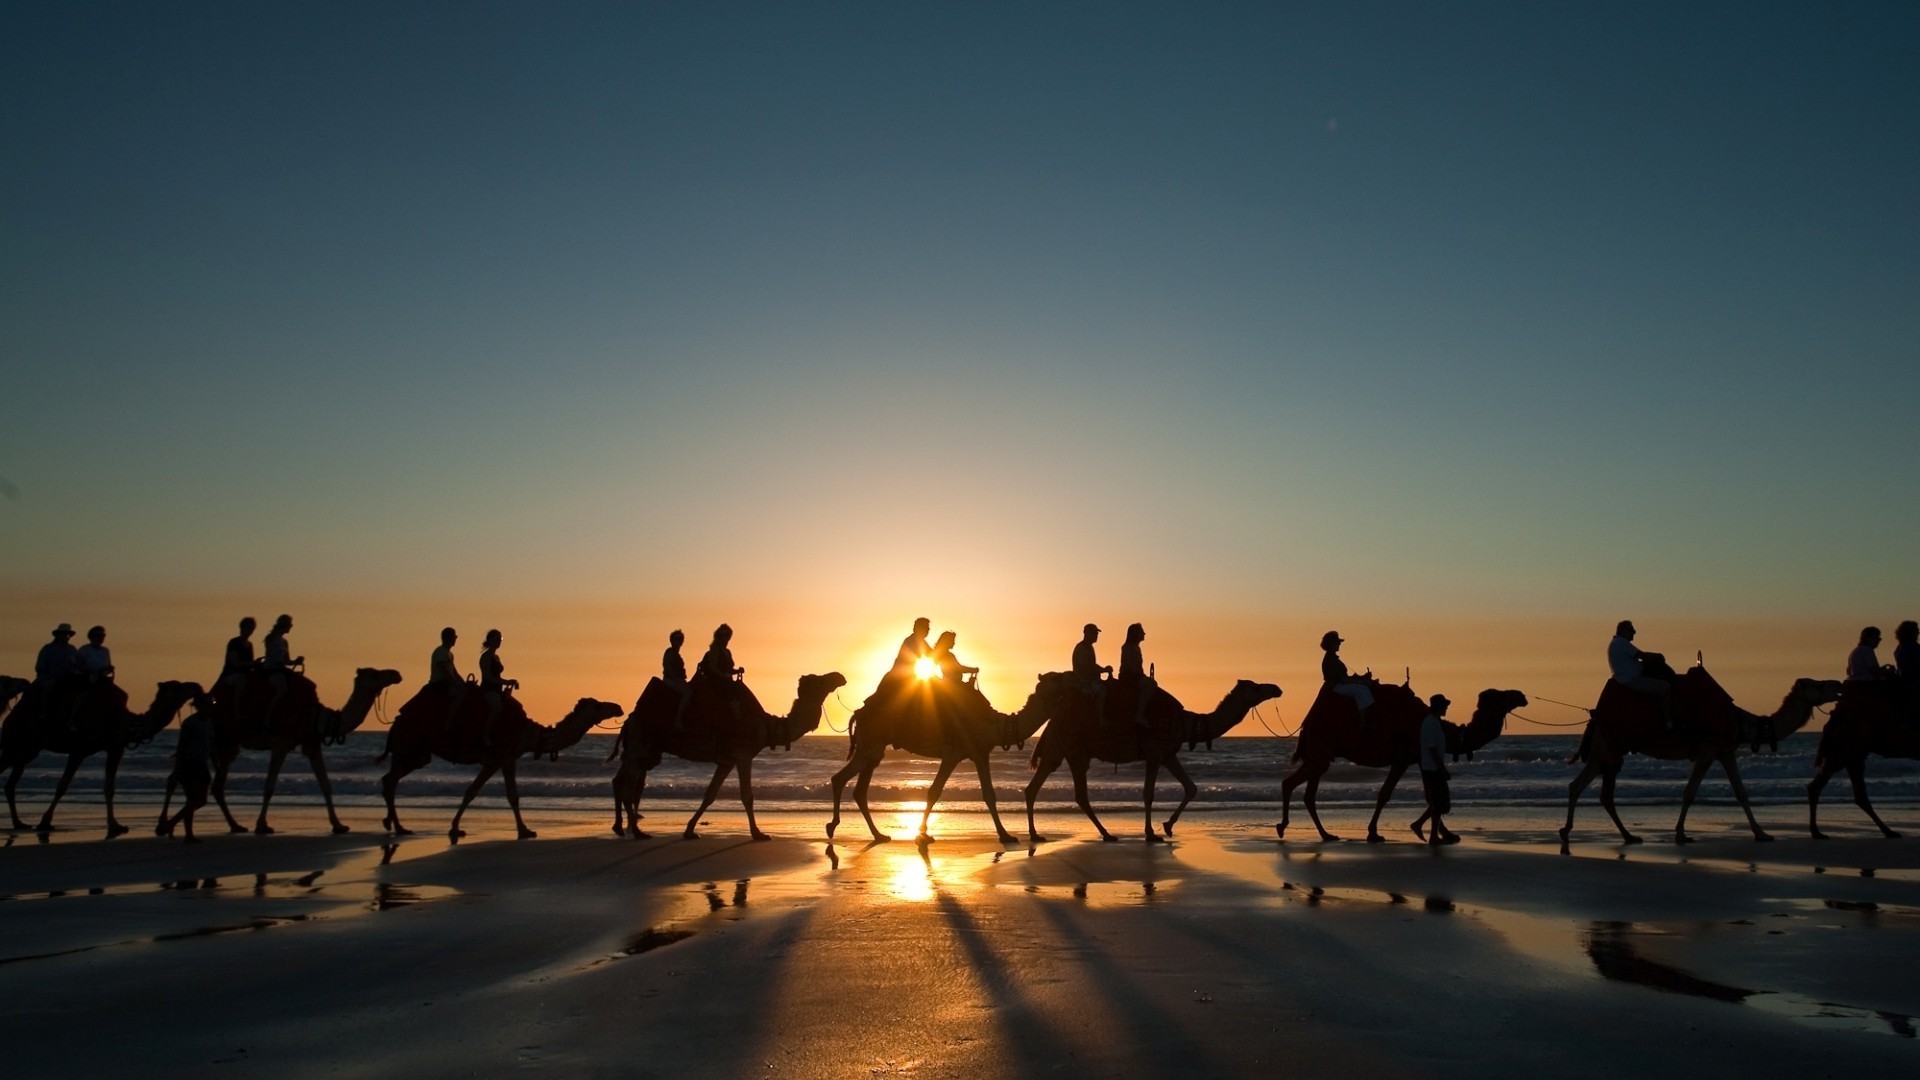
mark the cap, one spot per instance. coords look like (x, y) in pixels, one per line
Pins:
(1438, 700)
(63, 628)
(1331, 637)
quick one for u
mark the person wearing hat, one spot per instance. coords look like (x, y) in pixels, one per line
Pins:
(56, 657)
(1089, 670)
(1333, 672)
(1434, 774)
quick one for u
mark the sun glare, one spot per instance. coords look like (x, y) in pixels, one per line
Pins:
(924, 668)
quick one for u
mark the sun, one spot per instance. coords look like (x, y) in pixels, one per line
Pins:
(924, 669)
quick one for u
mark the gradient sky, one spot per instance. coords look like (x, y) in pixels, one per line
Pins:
(1466, 329)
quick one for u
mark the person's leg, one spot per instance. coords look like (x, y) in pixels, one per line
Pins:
(1144, 692)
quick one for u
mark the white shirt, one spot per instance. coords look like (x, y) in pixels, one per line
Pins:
(1624, 659)
(1862, 664)
(1433, 744)
(94, 659)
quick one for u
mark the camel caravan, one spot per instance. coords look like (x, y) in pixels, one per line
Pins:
(929, 706)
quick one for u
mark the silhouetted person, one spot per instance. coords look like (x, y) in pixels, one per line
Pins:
(1333, 672)
(56, 658)
(441, 670)
(192, 769)
(237, 664)
(673, 672)
(905, 670)
(1906, 653)
(951, 669)
(1863, 663)
(1133, 672)
(718, 666)
(493, 683)
(1625, 660)
(1434, 775)
(94, 661)
(278, 663)
(1088, 669)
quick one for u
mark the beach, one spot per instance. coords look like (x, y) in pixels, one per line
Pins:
(1223, 953)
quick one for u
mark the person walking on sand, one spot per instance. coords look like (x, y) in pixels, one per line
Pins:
(1434, 774)
(1088, 669)
(192, 770)
(1625, 660)
(1334, 675)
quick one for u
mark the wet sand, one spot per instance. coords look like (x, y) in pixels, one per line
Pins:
(1225, 953)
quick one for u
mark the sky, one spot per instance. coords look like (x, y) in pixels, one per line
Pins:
(1467, 330)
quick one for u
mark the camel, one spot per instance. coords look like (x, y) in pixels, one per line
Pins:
(421, 732)
(11, 688)
(103, 723)
(1077, 736)
(1331, 730)
(1711, 726)
(948, 723)
(1869, 719)
(649, 732)
(301, 721)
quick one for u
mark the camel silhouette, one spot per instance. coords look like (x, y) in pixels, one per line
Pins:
(10, 690)
(1711, 728)
(649, 733)
(300, 722)
(421, 732)
(948, 723)
(1882, 720)
(103, 723)
(1331, 730)
(1077, 736)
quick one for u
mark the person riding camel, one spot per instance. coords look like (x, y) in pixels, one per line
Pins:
(237, 664)
(905, 670)
(951, 669)
(1626, 662)
(673, 673)
(1906, 654)
(493, 683)
(1863, 663)
(278, 664)
(445, 674)
(56, 658)
(93, 663)
(718, 666)
(1088, 669)
(1133, 674)
(1334, 674)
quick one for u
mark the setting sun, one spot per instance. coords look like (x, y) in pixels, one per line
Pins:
(924, 668)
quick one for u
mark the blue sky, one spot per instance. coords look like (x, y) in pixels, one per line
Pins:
(1023, 311)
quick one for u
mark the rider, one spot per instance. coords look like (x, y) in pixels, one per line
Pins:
(1133, 674)
(440, 666)
(951, 669)
(717, 665)
(93, 662)
(239, 658)
(277, 664)
(1906, 654)
(1624, 658)
(673, 672)
(1088, 670)
(493, 683)
(1863, 664)
(1333, 672)
(56, 657)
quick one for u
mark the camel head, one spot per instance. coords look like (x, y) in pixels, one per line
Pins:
(1489, 721)
(374, 680)
(1813, 693)
(809, 703)
(1234, 708)
(573, 727)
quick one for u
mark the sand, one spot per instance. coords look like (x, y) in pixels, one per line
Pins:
(1225, 953)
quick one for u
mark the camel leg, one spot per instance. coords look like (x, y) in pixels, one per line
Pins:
(633, 809)
(1814, 787)
(746, 797)
(114, 828)
(479, 781)
(319, 763)
(161, 828)
(1607, 780)
(621, 781)
(1309, 797)
(933, 794)
(389, 787)
(219, 792)
(1686, 800)
(839, 785)
(860, 799)
(720, 772)
(1085, 801)
(1587, 772)
(66, 779)
(277, 758)
(1857, 775)
(1188, 789)
(1041, 770)
(1394, 773)
(1150, 778)
(510, 772)
(1732, 769)
(13, 785)
(1286, 801)
(984, 769)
